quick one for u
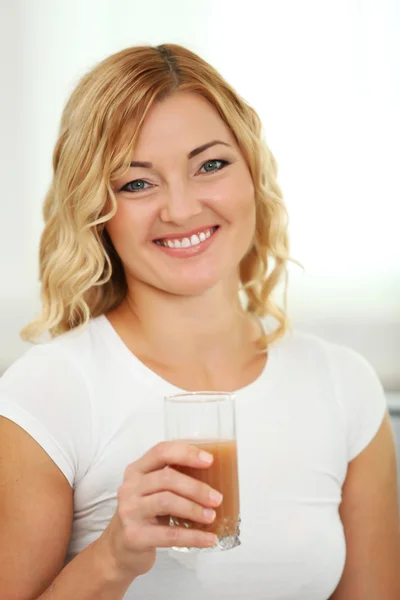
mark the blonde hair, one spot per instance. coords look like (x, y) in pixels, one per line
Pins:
(80, 272)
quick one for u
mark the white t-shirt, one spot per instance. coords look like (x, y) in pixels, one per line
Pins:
(94, 408)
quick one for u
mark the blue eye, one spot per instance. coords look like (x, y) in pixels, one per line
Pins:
(135, 186)
(210, 166)
(214, 165)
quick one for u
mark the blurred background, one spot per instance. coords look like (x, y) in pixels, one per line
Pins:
(324, 77)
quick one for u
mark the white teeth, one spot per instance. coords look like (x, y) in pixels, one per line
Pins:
(194, 240)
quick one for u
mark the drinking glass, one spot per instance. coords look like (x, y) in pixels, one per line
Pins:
(207, 420)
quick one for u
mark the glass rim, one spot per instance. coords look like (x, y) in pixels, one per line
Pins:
(197, 396)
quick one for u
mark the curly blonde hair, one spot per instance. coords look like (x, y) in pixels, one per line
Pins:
(80, 272)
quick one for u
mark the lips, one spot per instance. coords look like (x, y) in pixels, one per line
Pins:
(187, 240)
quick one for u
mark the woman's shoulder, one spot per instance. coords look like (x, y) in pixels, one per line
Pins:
(353, 377)
(48, 392)
(347, 370)
(70, 354)
(77, 340)
(345, 375)
(304, 346)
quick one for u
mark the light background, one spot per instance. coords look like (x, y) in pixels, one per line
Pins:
(325, 79)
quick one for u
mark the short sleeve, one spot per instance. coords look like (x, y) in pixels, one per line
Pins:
(360, 395)
(44, 393)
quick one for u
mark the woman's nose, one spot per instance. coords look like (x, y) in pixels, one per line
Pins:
(180, 205)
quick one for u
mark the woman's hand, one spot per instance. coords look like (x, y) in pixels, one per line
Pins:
(151, 491)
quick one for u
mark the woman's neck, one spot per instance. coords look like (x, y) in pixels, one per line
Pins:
(181, 330)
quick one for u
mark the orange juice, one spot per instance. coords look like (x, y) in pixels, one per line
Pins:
(222, 476)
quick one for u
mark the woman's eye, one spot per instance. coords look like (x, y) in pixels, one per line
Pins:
(138, 185)
(214, 165)
(135, 186)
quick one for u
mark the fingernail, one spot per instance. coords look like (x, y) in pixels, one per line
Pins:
(209, 514)
(212, 540)
(216, 496)
(206, 457)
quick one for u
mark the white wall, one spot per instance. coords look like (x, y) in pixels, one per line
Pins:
(325, 78)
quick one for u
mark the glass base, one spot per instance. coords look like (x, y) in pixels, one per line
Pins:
(223, 543)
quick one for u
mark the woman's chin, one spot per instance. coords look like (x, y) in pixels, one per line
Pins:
(191, 287)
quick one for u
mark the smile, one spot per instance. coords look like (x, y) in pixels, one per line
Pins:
(187, 242)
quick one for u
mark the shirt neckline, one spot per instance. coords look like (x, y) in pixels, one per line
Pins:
(147, 374)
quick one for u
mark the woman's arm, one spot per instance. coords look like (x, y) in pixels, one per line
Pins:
(370, 516)
(35, 525)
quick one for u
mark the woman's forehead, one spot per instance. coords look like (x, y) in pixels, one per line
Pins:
(182, 121)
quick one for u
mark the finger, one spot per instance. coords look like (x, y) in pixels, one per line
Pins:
(174, 453)
(168, 479)
(158, 536)
(167, 503)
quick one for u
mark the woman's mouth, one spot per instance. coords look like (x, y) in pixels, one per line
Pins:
(195, 239)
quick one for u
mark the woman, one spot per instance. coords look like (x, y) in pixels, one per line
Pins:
(165, 236)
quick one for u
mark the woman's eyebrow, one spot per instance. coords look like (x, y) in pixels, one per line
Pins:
(201, 149)
(192, 154)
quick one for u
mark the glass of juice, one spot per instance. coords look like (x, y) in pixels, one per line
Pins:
(207, 420)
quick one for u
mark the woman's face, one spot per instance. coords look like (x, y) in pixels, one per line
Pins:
(186, 207)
